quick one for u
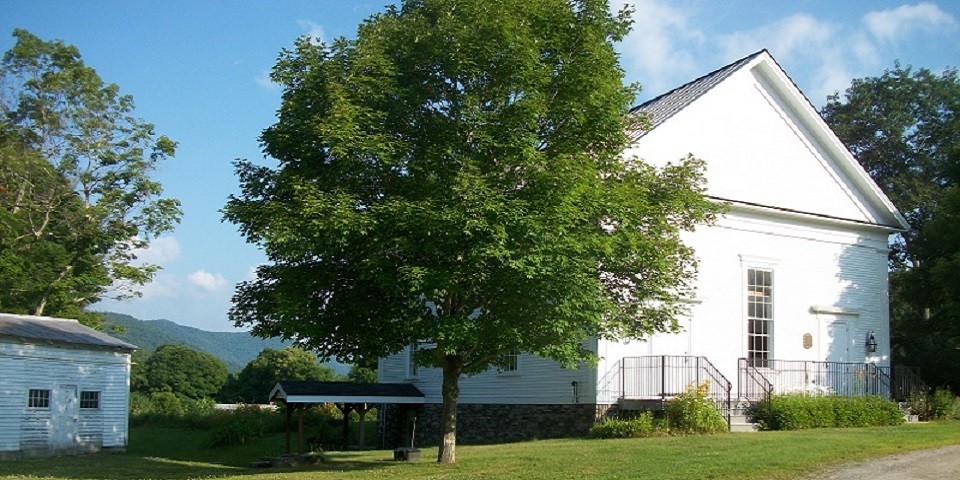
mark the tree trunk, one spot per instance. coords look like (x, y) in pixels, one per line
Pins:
(452, 367)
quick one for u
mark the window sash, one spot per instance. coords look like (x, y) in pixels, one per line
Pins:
(38, 398)
(759, 316)
(413, 370)
(90, 400)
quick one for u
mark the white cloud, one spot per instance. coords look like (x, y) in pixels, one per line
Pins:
(894, 24)
(800, 34)
(661, 45)
(803, 41)
(161, 250)
(206, 280)
(313, 30)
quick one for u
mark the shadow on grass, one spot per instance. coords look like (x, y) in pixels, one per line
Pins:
(179, 454)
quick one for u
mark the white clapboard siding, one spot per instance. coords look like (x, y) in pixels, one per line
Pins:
(536, 381)
(28, 366)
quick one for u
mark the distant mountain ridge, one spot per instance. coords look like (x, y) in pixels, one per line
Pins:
(236, 349)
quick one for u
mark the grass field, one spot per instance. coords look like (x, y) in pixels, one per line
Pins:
(158, 453)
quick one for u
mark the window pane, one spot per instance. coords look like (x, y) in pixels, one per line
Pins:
(89, 399)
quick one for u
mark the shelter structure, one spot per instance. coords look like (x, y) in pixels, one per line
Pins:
(64, 387)
(346, 396)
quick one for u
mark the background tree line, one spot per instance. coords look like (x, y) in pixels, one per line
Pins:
(193, 375)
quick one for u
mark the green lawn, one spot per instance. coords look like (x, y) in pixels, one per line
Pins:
(159, 453)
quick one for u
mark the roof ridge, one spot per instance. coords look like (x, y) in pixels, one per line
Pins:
(23, 316)
(664, 106)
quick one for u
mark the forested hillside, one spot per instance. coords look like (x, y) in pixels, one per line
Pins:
(236, 349)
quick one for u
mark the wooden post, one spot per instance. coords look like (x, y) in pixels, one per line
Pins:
(362, 410)
(345, 410)
(300, 429)
(287, 406)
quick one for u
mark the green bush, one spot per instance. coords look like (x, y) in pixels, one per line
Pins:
(642, 425)
(693, 412)
(799, 412)
(239, 426)
(920, 405)
(941, 404)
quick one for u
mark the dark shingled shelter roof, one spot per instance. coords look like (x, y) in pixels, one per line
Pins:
(34, 329)
(345, 392)
(665, 106)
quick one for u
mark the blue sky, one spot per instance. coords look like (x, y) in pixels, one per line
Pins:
(198, 71)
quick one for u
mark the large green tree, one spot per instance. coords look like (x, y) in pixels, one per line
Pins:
(453, 177)
(184, 371)
(254, 382)
(71, 227)
(902, 126)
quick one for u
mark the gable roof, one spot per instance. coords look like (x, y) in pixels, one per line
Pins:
(302, 391)
(666, 105)
(763, 66)
(35, 329)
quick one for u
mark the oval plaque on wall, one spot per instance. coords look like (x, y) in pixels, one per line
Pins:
(807, 341)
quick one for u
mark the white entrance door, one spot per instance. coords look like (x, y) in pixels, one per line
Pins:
(65, 413)
(835, 338)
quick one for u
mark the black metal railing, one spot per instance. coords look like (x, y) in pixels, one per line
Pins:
(665, 376)
(905, 383)
(814, 378)
(751, 384)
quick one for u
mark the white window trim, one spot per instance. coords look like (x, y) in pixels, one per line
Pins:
(761, 264)
(412, 370)
(511, 373)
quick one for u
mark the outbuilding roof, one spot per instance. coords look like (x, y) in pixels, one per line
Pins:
(35, 329)
(291, 391)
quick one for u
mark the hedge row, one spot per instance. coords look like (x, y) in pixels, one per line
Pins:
(797, 412)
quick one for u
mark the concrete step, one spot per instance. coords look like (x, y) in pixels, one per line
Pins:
(743, 427)
(742, 423)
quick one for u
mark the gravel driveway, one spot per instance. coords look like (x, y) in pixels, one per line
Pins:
(941, 463)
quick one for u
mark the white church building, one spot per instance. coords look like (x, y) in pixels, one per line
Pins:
(792, 287)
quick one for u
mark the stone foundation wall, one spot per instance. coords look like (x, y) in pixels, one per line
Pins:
(490, 423)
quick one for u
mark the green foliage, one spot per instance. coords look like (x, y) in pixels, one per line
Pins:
(902, 128)
(797, 412)
(239, 426)
(361, 374)
(77, 195)
(236, 349)
(168, 409)
(642, 425)
(183, 371)
(693, 412)
(254, 382)
(943, 404)
(454, 176)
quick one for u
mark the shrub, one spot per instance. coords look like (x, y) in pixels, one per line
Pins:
(642, 425)
(941, 404)
(919, 405)
(239, 426)
(798, 412)
(693, 412)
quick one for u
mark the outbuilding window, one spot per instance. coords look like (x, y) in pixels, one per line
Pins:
(38, 398)
(90, 400)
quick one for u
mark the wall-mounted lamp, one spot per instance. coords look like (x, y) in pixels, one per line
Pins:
(871, 343)
(576, 391)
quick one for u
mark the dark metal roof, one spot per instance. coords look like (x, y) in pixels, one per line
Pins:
(665, 106)
(35, 329)
(349, 389)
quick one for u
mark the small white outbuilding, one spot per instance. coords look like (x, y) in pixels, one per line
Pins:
(64, 387)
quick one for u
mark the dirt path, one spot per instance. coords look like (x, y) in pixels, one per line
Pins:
(941, 463)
